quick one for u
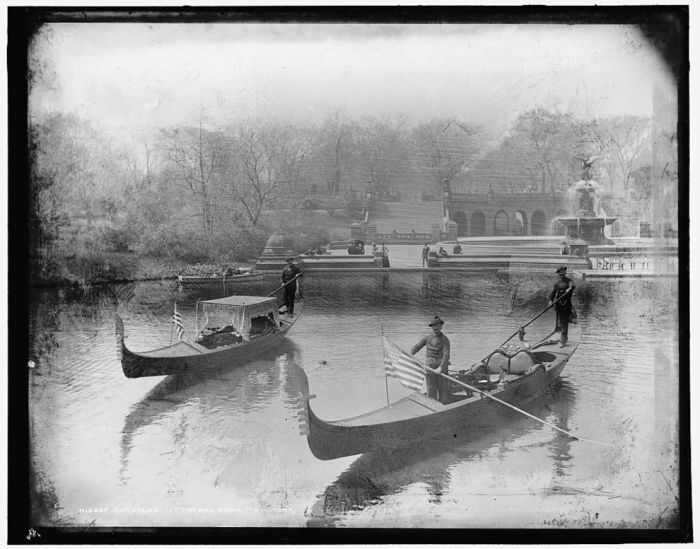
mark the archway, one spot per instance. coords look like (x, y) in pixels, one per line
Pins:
(560, 228)
(520, 225)
(501, 224)
(478, 224)
(462, 223)
(539, 223)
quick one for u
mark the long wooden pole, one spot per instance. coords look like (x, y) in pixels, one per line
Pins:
(538, 315)
(283, 285)
(487, 395)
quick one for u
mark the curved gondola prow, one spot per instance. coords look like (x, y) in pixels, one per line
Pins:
(131, 362)
(319, 434)
(133, 365)
(119, 328)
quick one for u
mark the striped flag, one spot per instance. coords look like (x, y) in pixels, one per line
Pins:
(177, 320)
(403, 366)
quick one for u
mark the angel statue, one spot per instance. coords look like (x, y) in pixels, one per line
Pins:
(587, 164)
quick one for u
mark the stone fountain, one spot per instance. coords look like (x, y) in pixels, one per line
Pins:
(585, 225)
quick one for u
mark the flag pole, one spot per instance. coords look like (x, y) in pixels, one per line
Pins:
(386, 382)
(171, 324)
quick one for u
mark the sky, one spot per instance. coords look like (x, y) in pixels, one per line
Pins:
(135, 77)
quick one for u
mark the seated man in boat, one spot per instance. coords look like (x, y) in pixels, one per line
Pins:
(437, 359)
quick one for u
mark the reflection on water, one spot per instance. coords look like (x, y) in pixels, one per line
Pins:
(243, 386)
(227, 442)
(375, 475)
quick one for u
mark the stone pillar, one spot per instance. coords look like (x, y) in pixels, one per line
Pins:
(436, 232)
(371, 233)
(578, 248)
(357, 231)
(452, 230)
(278, 247)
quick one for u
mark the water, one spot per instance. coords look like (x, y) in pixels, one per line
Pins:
(223, 448)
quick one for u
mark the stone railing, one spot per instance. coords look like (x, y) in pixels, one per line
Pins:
(406, 238)
(485, 197)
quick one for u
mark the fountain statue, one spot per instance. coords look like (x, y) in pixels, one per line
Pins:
(585, 224)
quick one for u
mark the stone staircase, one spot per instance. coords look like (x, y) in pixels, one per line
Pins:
(406, 215)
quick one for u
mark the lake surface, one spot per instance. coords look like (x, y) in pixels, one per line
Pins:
(223, 447)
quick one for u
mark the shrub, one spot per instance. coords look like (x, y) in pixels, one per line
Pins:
(117, 239)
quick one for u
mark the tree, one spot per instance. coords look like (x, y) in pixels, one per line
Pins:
(623, 144)
(444, 148)
(261, 162)
(197, 160)
(288, 149)
(551, 143)
(382, 151)
(337, 151)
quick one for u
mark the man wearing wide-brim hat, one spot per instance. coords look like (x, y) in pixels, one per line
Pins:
(437, 360)
(561, 297)
(290, 274)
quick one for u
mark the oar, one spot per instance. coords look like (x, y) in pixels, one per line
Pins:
(283, 285)
(457, 381)
(538, 315)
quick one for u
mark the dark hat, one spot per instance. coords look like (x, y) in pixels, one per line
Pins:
(561, 270)
(436, 320)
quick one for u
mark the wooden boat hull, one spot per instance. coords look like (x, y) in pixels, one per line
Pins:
(233, 279)
(184, 357)
(418, 417)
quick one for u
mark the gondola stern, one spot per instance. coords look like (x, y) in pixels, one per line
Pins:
(130, 361)
(326, 441)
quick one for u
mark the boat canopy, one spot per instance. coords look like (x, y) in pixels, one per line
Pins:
(237, 311)
(240, 301)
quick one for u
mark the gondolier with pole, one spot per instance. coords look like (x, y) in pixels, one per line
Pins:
(437, 360)
(290, 274)
(561, 299)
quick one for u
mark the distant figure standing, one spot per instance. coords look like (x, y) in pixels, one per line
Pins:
(290, 274)
(437, 360)
(374, 249)
(563, 288)
(564, 248)
(424, 255)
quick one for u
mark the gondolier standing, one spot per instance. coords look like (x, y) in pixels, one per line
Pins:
(437, 359)
(290, 274)
(562, 307)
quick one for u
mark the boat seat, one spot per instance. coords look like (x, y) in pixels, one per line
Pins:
(516, 363)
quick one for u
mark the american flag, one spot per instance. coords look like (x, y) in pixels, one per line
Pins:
(399, 364)
(177, 320)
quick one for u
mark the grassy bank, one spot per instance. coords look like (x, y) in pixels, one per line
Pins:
(111, 267)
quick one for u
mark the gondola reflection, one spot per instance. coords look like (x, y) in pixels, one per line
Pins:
(376, 475)
(224, 392)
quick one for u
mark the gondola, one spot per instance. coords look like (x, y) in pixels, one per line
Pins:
(515, 379)
(228, 331)
(236, 279)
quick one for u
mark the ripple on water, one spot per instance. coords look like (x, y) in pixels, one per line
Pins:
(231, 436)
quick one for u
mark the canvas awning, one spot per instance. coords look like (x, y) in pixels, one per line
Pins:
(237, 310)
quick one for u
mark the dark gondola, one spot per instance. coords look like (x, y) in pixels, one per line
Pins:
(418, 417)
